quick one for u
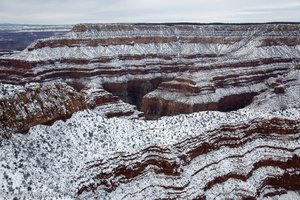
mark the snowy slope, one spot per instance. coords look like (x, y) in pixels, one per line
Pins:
(47, 161)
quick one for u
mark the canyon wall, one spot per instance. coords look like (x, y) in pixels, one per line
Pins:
(204, 155)
(164, 69)
(82, 101)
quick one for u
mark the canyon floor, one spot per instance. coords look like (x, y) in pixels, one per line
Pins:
(153, 111)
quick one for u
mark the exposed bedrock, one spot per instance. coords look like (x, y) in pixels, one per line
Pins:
(155, 108)
(107, 104)
(104, 150)
(205, 167)
(164, 69)
(230, 87)
(37, 104)
(133, 91)
(22, 107)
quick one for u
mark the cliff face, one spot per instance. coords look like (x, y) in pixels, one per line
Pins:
(24, 107)
(204, 167)
(89, 85)
(37, 104)
(224, 87)
(205, 155)
(164, 69)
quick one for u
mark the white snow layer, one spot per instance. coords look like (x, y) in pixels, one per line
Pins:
(45, 163)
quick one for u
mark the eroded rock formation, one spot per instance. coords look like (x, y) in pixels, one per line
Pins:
(220, 163)
(37, 104)
(24, 107)
(225, 87)
(131, 60)
(103, 149)
(203, 155)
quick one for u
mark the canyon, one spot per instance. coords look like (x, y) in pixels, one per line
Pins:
(153, 111)
(16, 37)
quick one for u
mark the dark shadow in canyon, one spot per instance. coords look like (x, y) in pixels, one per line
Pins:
(132, 92)
(235, 102)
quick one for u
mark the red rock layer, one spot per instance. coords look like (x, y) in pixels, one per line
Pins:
(225, 87)
(173, 162)
(46, 103)
(38, 104)
(131, 60)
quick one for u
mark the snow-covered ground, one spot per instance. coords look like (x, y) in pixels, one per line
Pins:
(45, 163)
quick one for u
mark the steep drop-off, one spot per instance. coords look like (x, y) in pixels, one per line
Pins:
(205, 155)
(71, 95)
(24, 107)
(214, 67)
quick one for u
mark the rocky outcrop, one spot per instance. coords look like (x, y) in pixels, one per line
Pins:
(97, 146)
(106, 104)
(224, 87)
(37, 104)
(199, 168)
(164, 69)
(204, 155)
(24, 107)
(133, 91)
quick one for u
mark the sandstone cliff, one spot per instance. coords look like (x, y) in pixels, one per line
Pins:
(78, 98)
(205, 155)
(191, 67)
(36, 104)
(24, 107)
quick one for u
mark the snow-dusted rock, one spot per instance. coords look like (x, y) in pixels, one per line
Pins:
(221, 63)
(87, 75)
(201, 155)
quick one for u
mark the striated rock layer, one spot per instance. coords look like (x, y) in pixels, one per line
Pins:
(24, 107)
(221, 165)
(189, 67)
(96, 145)
(205, 155)
(225, 87)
